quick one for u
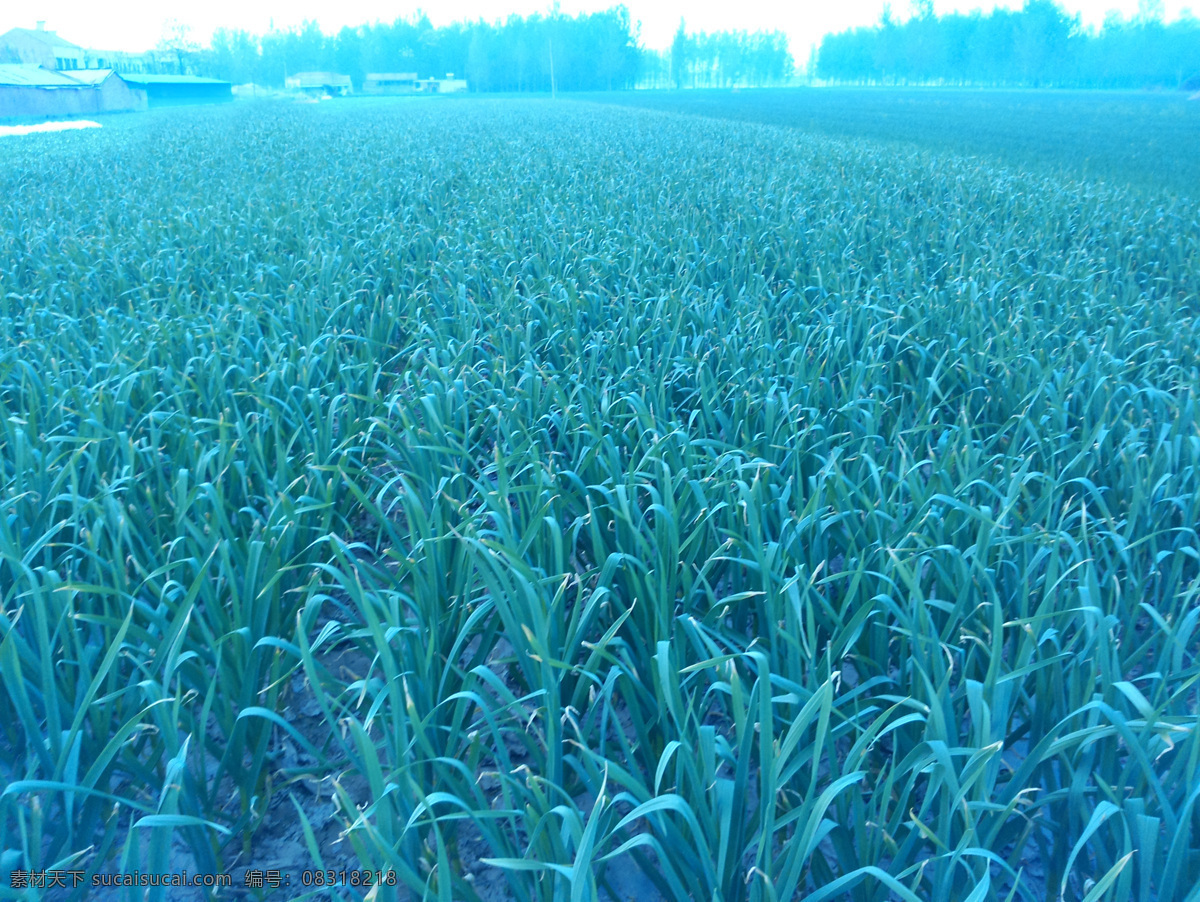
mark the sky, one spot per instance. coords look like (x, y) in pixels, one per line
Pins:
(136, 25)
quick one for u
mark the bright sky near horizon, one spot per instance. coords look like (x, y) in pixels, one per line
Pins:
(138, 24)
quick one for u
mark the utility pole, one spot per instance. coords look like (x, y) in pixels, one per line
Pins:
(553, 86)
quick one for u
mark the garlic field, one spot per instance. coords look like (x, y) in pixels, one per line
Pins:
(532, 500)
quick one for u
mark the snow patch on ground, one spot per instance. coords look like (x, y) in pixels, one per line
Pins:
(47, 127)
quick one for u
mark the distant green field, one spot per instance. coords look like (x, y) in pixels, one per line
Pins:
(535, 501)
(1149, 140)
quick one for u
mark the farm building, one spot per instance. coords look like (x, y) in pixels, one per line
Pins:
(409, 83)
(447, 85)
(39, 47)
(318, 84)
(391, 83)
(180, 90)
(115, 93)
(133, 63)
(31, 92)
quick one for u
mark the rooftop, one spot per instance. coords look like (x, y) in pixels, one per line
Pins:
(171, 80)
(91, 76)
(36, 77)
(46, 37)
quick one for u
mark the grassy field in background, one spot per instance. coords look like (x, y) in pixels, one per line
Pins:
(541, 500)
(1143, 139)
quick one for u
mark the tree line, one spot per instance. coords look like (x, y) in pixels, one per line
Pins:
(1038, 45)
(585, 52)
(722, 59)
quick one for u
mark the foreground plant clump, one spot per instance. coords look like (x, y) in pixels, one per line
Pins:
(583, 497)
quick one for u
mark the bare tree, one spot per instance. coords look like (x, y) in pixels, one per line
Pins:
(177, 40)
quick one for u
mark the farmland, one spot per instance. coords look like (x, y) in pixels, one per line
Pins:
(541, 500)
(1127, 138)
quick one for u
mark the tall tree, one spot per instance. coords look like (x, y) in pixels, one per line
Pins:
(478, 72)
(680, 55)
(1038, 44)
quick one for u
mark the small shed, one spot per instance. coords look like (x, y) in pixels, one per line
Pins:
(319, 84)
(447, 85)
(181, 90)
(32, 92)
(391, 83)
